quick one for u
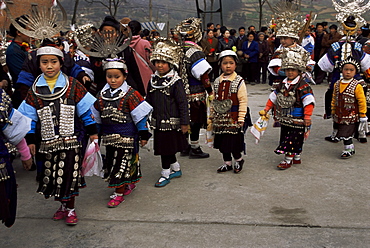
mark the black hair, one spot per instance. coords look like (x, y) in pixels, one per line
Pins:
(365, 30)
(13, 30)
(232, 32)
(135, 27)
(61, 61)
(250, 33)
(333, 26)
(250, 27)
(122, 70)
(209, 24)
(94, 29)
(241, 28)
(324, 24)
(319, 24)
(263, 29)
(110, 21)
(223, 29)
(146, 32)
(209, 30)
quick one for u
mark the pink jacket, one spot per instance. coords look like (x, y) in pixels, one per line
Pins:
(140, 46)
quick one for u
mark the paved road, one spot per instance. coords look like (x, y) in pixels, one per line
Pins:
(322, 203)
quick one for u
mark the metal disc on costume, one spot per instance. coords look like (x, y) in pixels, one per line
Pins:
(63, 155)
(47, 172)
(48, 156)
(55, 158)
(47, 164)
(54, 167)
(46, 180)
(115, 153)
(114, 161)
(60, 172)
(61, 164)
(76, 150)
(77, 158)
(59, 180)
(75, 166)
(75, 174)
(53, 174)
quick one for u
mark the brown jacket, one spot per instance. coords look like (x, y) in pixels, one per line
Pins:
(328, 40)
(206, 46)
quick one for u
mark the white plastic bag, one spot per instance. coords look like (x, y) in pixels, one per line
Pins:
(259, 127)
(93, 162)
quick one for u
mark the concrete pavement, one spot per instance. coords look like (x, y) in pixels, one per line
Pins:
(324, 202)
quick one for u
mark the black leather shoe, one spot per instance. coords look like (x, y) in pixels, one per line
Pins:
(185, 152)
(332, 139)
(198, 153)
(238, 166)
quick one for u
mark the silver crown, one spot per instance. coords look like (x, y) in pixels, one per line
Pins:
(350, 60)
(190, 28)
(294, 58)
(41, 23)
(167, 50)
(114, 64)
(49, 50)
(288, 22)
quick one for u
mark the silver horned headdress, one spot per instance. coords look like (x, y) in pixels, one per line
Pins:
(355, 8)
(288, 23)
(41, 23)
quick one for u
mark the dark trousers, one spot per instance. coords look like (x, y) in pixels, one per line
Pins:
(215, 71)
(227, 156)
(319, 75)
(167, 160)
(262, 66)
(251, 70)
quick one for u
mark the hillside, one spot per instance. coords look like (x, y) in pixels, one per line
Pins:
(236, 12)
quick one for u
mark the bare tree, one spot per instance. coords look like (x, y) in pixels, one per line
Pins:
(260, 11)
(111, 5)
(75, 12)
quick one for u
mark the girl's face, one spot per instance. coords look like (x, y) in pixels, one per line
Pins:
(115, 78)
(228, 65)
(348, 71)
(50, 65)
(291, 73)
(227, 34)
(210, 34)
(162, 67)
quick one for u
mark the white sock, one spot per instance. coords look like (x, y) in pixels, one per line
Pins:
(175, 166)
(288, 158)
(194, 144)
(228, 163)
(349, 147)
(297, 157)
(166, 173)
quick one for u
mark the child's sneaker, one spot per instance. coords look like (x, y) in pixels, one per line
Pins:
(60, 214)
(224, 168)
(284, 165)
(238, 166)
(175, 174)
(71, 218)
(129, 188)
(115, 200)
(347, 153)
(162, 181)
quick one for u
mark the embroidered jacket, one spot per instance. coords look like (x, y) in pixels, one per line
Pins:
(232, 96)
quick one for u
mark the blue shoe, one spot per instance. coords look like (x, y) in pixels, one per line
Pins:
(175, 174)
(162, 181)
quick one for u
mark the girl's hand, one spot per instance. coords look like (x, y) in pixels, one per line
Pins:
(307, 123)
(85, 79)
(27, 164)
(32, 149)
(93, 137)
(143, 142)
(241, 124)
(184, 129)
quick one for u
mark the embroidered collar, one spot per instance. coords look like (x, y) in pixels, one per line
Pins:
(169, 79)
(346, 81)
(287, 84)
(108, 91)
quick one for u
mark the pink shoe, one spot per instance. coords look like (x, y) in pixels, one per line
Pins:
(115, 201)
(71, 218)
(129, 188)
(60, 214)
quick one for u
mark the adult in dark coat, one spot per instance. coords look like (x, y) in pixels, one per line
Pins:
(263, 57)
(250, 50)
(210, 45)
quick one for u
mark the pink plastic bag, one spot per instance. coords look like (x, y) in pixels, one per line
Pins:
(92, 163)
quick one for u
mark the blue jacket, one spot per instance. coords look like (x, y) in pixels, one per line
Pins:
(252, 51)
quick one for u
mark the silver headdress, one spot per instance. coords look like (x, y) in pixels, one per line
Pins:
(114, 64)
(294, 58)
(190, 28)
(49, 50)
(347, 8)
(104, 44)
(352, 61)
(41, 23)
(167, 50)
(288, 22)
(83, 34)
